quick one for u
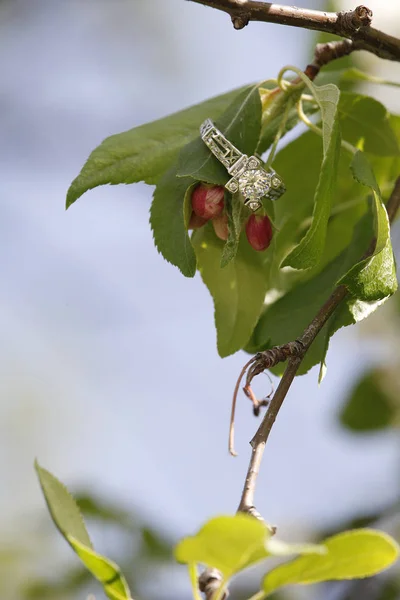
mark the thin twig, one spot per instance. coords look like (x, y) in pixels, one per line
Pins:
(306, 339)
(354, 24)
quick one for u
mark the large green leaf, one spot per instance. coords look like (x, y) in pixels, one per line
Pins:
(240, 123)
(373, 278)
(167, 220)
(366, 121)
(103, 569)
(145, 152)
(68, 520)
(373, 402)
(226, 543)
(238, 289)
(233, 543)
(309, 251)
(63, 509)
(350, 555)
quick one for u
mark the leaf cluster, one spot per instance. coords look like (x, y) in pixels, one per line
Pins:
(338, 176)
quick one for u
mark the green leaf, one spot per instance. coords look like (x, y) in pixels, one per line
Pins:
(374, 278)
(145, 152)
(238, 290)
(62, 507)
(237, 213)
(308, 252)
(366, 123)
(68, 520)
(350, 555)
(167, 220)
(225, 543)
(240, 123)
(103, 569)
(372, 404)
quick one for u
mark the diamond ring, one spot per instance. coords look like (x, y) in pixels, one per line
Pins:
(248, 175)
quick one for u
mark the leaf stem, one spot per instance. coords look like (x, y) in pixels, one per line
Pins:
(303, 117)
(279, 134)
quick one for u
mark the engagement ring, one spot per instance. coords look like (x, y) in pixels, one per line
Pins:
(248, 175)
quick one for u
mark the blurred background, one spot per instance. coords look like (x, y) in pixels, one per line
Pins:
(109, 373)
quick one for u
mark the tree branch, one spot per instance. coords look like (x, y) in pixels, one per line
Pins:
(354, 25)
(297, 352)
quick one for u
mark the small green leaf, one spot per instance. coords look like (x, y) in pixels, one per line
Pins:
(68, 520)
(237, 213)
(374, 278)
(365, 122)
(145, 152)
(238, 290)
(225, 543)
(308, 252)
(372, 404)
(240, 123)
(63, 509)
(103, 569)
(167, 220)
(350, 555)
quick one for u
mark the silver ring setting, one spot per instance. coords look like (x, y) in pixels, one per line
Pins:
(248, 175)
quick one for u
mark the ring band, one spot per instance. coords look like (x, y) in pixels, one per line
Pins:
(248, 175)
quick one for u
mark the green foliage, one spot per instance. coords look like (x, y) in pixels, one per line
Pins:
(308, 252)
(68, 519)
(350, 555)
(313, 245)
(146, 152)
(365, 121)
(228, 543)
(374, 278)
(63, 508)
(167, 220)
(238, 290)
(234, 543)
(372, 404)
(240, 123)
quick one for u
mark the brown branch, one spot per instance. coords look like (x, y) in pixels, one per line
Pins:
(298, 352)
(354, 25)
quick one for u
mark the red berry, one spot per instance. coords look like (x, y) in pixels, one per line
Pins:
(196, 222)
(259, 232)
(220, 225)
(208, 200)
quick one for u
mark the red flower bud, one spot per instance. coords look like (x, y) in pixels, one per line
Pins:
(208, 201)
(259, 232)
(196, 222)
(220, 225)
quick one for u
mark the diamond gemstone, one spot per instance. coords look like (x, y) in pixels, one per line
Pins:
(253, 163)
(254, 183)
(253, 205)
(275, 181)
(232, 186)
